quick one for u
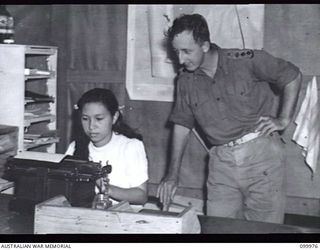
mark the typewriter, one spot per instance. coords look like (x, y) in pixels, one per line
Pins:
(37, 179)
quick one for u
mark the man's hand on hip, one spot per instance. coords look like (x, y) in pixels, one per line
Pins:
(267, 125)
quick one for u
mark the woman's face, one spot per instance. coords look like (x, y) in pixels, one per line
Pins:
(97, 123)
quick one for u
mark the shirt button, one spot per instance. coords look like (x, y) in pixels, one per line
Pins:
(218, 98)
(213, 82)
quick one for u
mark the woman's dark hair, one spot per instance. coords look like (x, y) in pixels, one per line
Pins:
(108, 99)
(195, 23)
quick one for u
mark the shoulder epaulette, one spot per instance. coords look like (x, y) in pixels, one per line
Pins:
(239, 53)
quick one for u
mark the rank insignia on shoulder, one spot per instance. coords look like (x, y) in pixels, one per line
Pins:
(240, 53)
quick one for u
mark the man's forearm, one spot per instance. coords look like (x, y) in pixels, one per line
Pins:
(289, 100)
(179, 141)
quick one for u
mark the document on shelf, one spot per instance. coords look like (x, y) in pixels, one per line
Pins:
(40, 156)
(30, 95)
(29, 72)
(5, 184)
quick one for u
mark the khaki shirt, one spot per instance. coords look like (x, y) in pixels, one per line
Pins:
(228, 105)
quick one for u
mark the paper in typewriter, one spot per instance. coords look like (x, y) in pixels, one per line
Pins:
(40, 156)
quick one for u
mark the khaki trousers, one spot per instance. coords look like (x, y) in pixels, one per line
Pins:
(247, 181)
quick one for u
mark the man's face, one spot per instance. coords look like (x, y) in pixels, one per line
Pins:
(189, 53)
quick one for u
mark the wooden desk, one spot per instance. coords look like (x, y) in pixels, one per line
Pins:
(15, 223)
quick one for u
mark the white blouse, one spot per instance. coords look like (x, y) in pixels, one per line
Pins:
(126, 156)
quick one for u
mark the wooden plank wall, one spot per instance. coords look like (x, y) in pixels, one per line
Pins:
(292, 32)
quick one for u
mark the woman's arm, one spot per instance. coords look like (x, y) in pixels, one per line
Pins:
(136, 175)
(136, 195)
(131, 184)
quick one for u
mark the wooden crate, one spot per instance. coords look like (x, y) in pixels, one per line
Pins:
(57, 216)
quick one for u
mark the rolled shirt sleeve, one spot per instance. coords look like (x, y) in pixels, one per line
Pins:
(273, 70)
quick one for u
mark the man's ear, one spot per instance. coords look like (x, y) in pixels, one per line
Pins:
(115, 117)
(205, 46)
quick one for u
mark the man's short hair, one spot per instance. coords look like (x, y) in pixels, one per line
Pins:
(193, 22)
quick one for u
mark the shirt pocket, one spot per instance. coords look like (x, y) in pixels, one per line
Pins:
(241, 95)
(207, 111)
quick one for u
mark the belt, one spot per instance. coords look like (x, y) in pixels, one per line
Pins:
(243, 139)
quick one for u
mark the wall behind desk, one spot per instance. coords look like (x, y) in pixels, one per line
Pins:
(291, 32)
(32, 24)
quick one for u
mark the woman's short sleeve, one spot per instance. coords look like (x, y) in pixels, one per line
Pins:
(137, 163)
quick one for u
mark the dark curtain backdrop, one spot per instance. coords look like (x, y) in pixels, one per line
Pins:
(92, 46)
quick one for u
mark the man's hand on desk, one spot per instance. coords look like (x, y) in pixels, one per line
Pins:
(166, 191)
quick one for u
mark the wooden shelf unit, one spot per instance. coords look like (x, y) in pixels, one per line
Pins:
(14, 59)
